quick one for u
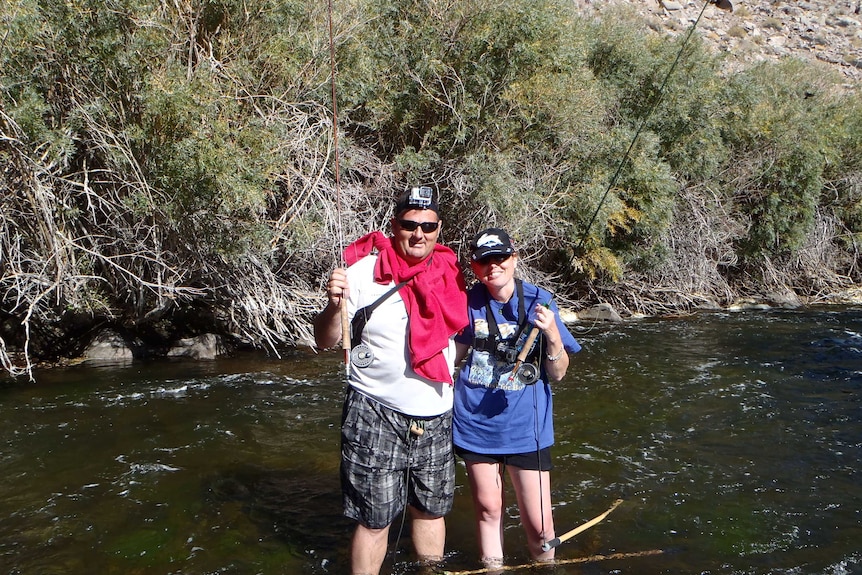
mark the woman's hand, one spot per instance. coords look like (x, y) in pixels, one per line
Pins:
(546, 320)
(556, 359)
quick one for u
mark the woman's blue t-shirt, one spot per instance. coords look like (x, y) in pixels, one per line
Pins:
(495, 412)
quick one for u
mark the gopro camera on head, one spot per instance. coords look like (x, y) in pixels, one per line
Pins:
(420, 196)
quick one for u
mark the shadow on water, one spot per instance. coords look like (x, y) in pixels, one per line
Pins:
(303, 511)
(735, 441)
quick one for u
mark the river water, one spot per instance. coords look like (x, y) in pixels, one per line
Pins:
(733, 439)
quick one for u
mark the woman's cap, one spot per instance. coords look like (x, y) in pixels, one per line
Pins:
(491, 242)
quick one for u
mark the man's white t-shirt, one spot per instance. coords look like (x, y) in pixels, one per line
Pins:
(389, 378)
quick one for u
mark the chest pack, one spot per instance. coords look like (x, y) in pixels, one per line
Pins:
(505, 350)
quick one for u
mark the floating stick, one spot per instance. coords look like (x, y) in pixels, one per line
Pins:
(539, 564)
(556, 541)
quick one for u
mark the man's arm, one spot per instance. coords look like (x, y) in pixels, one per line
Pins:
(327, 324)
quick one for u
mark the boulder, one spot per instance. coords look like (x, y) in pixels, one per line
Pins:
(206, 346)
(568, 316)
(786, 299)
(749, 304)
(108, 345)
(600, 312)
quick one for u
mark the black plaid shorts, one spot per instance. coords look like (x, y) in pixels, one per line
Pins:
(384, 466)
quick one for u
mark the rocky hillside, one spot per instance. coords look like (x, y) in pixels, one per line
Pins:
(828, 31)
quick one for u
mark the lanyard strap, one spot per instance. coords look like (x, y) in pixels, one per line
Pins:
(493, 329)
(360, 318)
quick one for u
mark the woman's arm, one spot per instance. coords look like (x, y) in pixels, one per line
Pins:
(556, 359)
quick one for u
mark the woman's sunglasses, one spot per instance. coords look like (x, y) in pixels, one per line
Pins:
(410, 226)
(496, 258)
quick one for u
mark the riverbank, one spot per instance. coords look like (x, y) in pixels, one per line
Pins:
(110, 347)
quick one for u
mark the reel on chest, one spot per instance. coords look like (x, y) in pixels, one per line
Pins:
(528, 373)
(361, 355)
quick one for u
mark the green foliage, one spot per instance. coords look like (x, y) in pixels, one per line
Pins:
(660, 121)
(450, 78)
(198, 134)
(776, 123)
(179, 106)
(840, 118)
(502, 187)
(213, 167)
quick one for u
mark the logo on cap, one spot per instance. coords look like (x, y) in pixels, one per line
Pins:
(489, 241)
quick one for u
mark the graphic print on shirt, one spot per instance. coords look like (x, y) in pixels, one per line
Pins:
(489, 370)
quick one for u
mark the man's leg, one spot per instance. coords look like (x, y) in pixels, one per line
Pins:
(372, 459)
(431, 488)
(429, 536)
(368, 550)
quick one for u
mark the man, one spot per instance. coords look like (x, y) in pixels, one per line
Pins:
(405, 297)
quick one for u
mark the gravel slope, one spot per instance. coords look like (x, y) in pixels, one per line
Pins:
(818, 30)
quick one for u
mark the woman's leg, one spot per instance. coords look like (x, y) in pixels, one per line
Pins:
(486, 485)
(535, 506)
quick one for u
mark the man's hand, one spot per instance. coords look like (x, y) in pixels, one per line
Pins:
(327, 324)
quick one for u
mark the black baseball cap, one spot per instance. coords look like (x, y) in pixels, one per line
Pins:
(491, 242)
(417, 198)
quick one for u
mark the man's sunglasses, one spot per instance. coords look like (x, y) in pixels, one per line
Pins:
(410, 226)
(496, 258)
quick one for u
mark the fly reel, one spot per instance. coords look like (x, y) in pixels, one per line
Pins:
(361, 355)
(528, 373)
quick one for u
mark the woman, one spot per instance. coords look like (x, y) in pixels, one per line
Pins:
(503, 412)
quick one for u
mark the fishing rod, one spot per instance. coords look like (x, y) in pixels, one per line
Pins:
(724, 5)
(345, 322)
